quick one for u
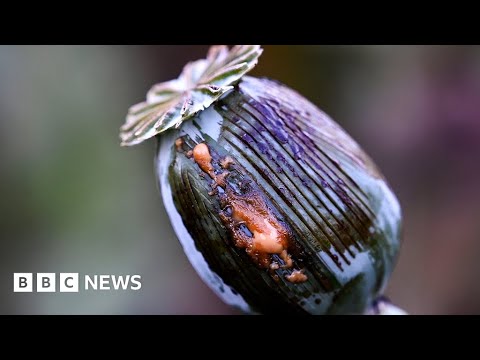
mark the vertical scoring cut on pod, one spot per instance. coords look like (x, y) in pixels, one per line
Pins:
(245, 213)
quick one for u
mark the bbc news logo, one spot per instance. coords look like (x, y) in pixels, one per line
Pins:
(70, 282)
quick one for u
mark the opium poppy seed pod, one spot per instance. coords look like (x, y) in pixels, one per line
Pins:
(277, 208)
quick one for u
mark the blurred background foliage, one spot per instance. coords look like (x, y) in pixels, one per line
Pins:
(72, 200)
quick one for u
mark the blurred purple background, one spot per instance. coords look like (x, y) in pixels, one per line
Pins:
(74, 201)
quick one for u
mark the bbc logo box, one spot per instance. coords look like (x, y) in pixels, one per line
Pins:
(45, 282)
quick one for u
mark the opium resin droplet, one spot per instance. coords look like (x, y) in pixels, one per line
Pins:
(277, 207)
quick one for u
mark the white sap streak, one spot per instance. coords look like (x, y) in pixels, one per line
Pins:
(208, 120)
(389, 213)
